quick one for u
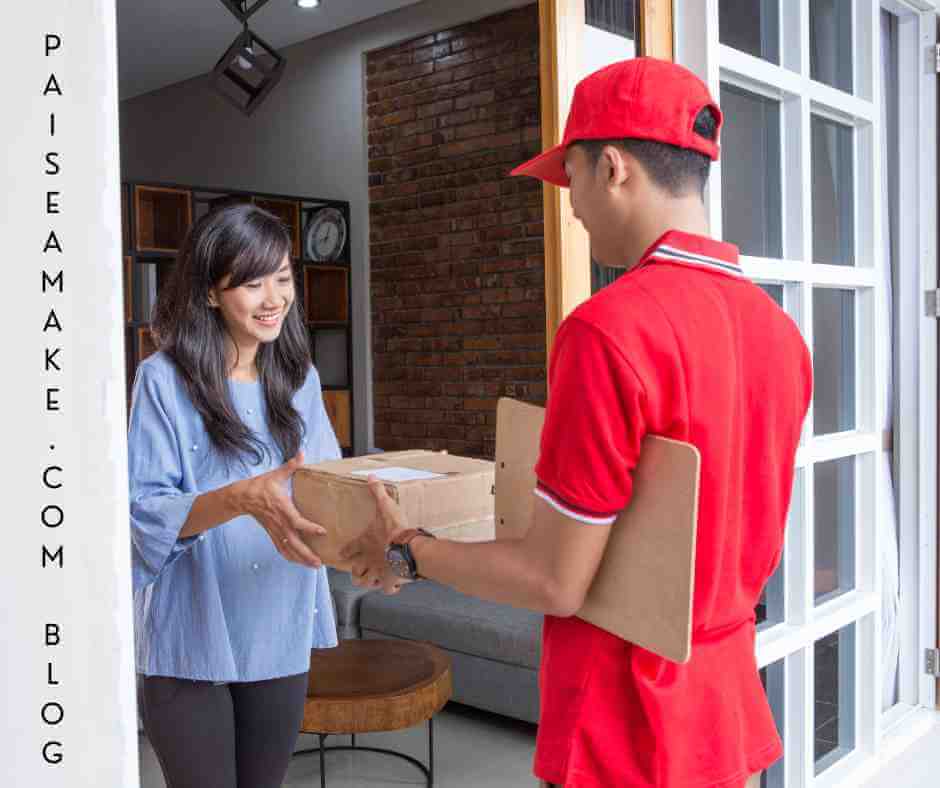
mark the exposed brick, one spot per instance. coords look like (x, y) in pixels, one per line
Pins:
(457, 279)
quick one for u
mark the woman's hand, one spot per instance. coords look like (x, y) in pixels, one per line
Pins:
(265, 498)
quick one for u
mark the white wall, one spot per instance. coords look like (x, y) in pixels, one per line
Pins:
(90, 596)
(307, 138)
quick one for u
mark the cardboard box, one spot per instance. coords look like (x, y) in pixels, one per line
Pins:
(449, 496)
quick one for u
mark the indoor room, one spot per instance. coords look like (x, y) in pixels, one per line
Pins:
(432, 283)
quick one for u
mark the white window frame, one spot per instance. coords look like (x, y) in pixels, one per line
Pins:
(698, 47)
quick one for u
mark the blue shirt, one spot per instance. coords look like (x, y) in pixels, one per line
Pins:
(223, 605)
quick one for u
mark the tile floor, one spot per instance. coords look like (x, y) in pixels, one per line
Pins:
(478, 749)
(472, 749)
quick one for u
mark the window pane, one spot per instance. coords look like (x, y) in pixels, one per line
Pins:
(774, 291)
(773, 677)
(607, 36)
(834, 528)
(830, 42)
(833, 360)
(771, 609)
(833, 193)
(602, 275)
(614, 16)
(751, 179)
(753, 26)
(835, 697)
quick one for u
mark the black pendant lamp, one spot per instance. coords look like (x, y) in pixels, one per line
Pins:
(250, 68)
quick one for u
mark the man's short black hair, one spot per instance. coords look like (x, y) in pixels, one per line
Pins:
(678, 171)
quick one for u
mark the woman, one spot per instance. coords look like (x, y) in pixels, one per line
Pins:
(228, 598)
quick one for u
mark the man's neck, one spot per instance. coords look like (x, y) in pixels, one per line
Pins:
(685, 214)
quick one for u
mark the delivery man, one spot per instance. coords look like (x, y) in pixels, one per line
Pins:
(684, 346)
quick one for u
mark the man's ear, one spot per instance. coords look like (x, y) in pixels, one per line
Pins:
(616, 165)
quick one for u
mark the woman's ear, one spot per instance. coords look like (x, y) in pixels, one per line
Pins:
(213, 300)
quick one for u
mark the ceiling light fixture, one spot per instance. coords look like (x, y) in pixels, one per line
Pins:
(307, 4)
(250, 68)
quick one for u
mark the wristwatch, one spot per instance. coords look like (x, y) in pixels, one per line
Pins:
(399, 556)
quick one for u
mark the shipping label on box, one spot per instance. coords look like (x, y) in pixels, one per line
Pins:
(450, 496)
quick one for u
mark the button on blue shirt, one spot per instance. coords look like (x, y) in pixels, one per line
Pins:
(223, 605)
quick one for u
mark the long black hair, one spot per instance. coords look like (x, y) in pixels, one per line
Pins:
(247, 243)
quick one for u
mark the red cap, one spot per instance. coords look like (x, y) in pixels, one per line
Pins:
(642, 98)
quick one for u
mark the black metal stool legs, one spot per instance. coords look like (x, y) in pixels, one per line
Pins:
(430, 752)
(427, 771)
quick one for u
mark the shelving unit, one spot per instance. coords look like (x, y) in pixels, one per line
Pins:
(326, 294)
(155, 218)
(161, 217)
(288, 211)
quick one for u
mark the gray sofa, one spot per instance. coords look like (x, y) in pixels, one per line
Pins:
(494, 648)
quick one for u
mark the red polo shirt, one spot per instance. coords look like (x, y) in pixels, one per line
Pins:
(685, 347)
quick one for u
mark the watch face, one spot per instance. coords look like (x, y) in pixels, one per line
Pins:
(325, 235)
(398, 562)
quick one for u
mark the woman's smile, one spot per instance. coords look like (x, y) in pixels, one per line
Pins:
(270, 318)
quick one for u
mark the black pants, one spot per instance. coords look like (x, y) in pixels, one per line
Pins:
(238, 735)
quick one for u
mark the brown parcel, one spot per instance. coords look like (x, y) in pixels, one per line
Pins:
(643, 588)
(456, 505)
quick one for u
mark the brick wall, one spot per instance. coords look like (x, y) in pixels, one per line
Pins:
(457, 269)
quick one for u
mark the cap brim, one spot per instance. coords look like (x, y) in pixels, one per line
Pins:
(548, 166)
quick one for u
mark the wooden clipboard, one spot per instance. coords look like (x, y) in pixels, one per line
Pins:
(643, 588)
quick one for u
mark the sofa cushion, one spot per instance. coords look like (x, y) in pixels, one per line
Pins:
(346, 600)
(431, 612)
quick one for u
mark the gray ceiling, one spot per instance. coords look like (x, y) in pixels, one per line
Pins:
(167, 41)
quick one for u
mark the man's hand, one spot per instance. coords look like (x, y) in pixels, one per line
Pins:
(367, 553)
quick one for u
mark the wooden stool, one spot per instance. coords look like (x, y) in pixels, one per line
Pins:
(367, 686)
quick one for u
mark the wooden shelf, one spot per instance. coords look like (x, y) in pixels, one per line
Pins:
(145, 345)
(217, 203)
(337, 404)
(288, 212)
(326, 294)
(125, 222)
(128, 293)
(162, 217)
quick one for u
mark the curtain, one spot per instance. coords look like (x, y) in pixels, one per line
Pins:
(887, 514)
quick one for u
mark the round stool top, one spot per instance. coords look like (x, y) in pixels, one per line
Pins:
(375, 685)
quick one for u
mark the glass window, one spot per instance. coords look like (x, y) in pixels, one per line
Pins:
(834, 528)
(830, 42)
(753, 26)
(608, 34)
(771, 609)
(602, 275)
(772, 678)
(614, 16)
(774, 291)
(751, 175)
(834, 707)
(833, 193)
(833, 360)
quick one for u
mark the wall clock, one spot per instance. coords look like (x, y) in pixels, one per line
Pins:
(325, 236)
